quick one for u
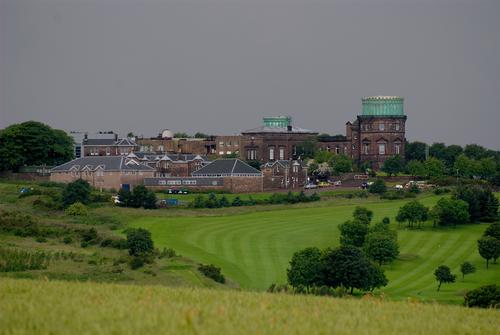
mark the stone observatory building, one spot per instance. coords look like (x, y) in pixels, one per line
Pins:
(379, 132)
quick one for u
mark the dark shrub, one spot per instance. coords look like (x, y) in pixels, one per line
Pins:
(378, 187)
(136, 263)
(67, 240)
(139, 242)
(213, 272)
(77, 191)
(485, 297)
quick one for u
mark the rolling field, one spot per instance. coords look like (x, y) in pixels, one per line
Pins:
(50, 307)
(254, 248)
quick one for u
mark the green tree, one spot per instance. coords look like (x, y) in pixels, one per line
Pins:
(415, 151)
(149, 201)
(353, 233)
(393, 165)
(416, 168)
(139, 194)
(201, 135)
(362, 214)
(306, 268)
(378, 187)
(341, 164)
(465, 166)
(347, 266)
(483, 204)
(33, 143)
(466, 268)
(434, 167)
(414, 213)
(125, 197)
(139, 242)
(181, 135)
(475, 151)
(381, 247)
(489, 206)
(493, 230)
(489, 248)
(323, 156)
(443, 275)
(77, 191)
(306, 149)
(486, 168)
(450, 212)
(484, 297)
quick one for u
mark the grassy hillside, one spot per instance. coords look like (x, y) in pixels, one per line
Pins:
(254, 248)
(90, 308)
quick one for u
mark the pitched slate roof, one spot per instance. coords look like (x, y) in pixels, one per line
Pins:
(108, 141)
(170, 156)
(265, 129)
(107, 163)
(227, 168)
(284, 163)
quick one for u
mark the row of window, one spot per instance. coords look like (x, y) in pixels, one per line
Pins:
(382, 148)
(177, 182)
(381, 126)
(228, 144)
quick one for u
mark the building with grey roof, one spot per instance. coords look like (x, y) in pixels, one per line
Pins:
(103, 172)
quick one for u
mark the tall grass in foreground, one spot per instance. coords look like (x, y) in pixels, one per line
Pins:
(41, 307)
(19, 260)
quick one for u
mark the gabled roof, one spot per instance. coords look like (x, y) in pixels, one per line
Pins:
(284, 163)
(106, 163)
(227, 167)
(109, 142)
(170, 156)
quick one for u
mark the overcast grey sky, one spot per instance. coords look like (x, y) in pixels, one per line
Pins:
(220, 66)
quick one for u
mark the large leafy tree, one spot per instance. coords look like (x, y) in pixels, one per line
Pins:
(33, 143)
(77, 191)
(347, 266)
(353, 233)
(393, 165)
(451, 212)
(434, 167)
(341, 164)
(443, 275)
(489, 248)
(306, 268)
(466, 268)
(413, 212)
(483, 204)
(381, 247)
(415, 150)
(485, 297)
(416, 168)
(362, 214)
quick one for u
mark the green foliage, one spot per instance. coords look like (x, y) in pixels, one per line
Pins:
(450, 212)
(416, 168)
(33, 143)
(415, 151)
(254, 163)
(362, 214)
(493, 230)
(434, 167)
(381, 247)
(77, 191)
(465, 166)
(77, 209)
(12, 260)
(341, 164)
(347, 266)
(139, 197)
(24, 225)
(306, 268)
(475, 151)
(484, 297)
(323, 156)
(489, 248)
(213, 272)
(467, 268)
(353, 233)
(378, 187)
(443, 275)
(483, 205)
(136, 262)
(306, 149)
(139, 242)
(414, 213)
(201, 135)
(181, 135)
(393, 165)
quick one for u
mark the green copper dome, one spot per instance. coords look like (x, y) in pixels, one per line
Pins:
(383, 106)
(277, 121)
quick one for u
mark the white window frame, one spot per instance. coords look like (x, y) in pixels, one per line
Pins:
(282, 153)
(381, 126)
(381, 149)
(271, 153)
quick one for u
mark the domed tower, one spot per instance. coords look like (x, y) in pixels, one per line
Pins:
(379, 132)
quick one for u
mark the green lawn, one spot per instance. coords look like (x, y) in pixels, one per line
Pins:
(254, 248)
(50, 307)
